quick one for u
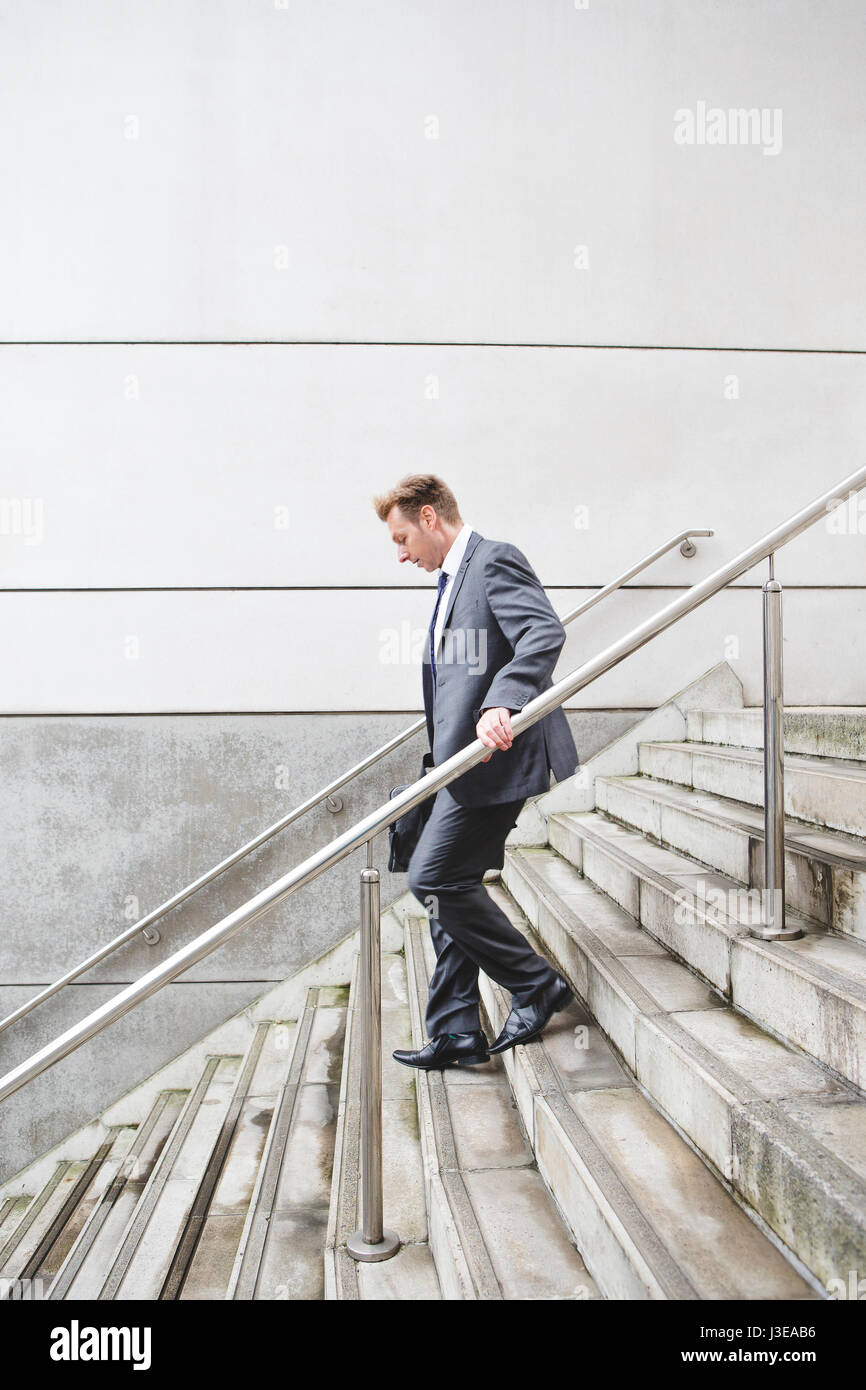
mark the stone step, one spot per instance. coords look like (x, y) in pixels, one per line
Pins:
(144, 1257)
(785, 1138)
(410, 1275)
(494, 1229)
(717, 688)
(235, 1194)
(224, 1191)
(12, 1209)
(822, 731)
(825, 871)
(650, 1218)
(830, 792)
(175, 1216)
(71, 1219)
(811, 992)
(83, 1271)
(39, 1216)
(204, 1262)
(47, 1225)
(279, 1254)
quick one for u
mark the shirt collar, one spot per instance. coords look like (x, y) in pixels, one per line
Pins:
(454, 558)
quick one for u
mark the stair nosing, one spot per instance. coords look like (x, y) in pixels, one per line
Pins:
(345, 1178)
(193, 1224)
(79, 1251)
(28, 1217)
(430, 1085)
(250, 1252)
(139, 1218)
(79, 1190)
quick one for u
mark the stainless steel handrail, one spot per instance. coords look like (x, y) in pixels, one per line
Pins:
(146, 922)
(419, 791)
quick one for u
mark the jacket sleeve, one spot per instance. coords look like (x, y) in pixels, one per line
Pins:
(530, 625)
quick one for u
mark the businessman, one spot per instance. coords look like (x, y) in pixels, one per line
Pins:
(491, 646)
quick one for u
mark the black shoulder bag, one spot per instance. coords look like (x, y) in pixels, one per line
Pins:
(404, 834)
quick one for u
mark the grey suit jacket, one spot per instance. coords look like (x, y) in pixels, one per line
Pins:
(500, 642)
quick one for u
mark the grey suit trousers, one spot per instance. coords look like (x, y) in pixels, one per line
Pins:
(469, 932)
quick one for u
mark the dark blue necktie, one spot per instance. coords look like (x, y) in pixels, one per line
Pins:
(443, 580)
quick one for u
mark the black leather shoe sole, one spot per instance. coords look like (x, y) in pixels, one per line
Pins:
(473, 1060)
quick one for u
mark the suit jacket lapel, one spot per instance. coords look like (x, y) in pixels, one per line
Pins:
(426, 674)
(474, 539)
(427, 687)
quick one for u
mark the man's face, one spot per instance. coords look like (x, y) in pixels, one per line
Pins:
(416, 542)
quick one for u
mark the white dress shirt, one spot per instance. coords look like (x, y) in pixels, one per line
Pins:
(450, 566)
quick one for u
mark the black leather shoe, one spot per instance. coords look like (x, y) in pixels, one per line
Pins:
(447, 1050)
(524, 1024)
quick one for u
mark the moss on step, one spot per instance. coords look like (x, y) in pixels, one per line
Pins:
(333, 996)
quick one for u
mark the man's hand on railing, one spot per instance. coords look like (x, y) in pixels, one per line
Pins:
(494, 730)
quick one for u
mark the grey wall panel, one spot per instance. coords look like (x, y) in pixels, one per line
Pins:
(257, 465)
(353, 651)
(402, 172)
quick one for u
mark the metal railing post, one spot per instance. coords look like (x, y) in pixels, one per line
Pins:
(773, 926)
(372, 1242)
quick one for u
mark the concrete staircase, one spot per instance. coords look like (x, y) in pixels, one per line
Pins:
(742, 1057)
(221, 1190)
(692, 1127)
(245, 1183)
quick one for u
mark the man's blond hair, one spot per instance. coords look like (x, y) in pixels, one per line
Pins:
(419, 490)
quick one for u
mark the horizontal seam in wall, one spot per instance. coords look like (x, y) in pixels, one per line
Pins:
(113, 984)
(385, 589)
(423, 343)
(297, 713)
